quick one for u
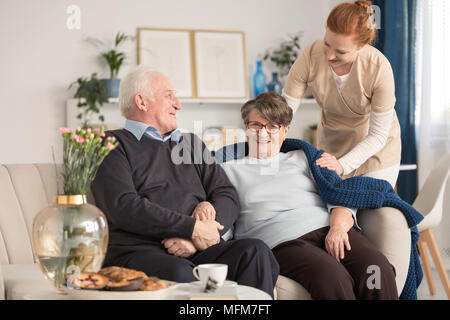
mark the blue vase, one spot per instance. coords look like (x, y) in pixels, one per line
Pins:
(112, 85)
(274, 85)
(259, 79)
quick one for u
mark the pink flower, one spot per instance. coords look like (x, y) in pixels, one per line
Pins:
(97, 130)
(110, 146)
(64, 130)
(78, 138)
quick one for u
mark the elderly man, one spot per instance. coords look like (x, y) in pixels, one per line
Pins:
(166, 217)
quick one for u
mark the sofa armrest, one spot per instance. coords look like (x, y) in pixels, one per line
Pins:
(2, 284)
(388, 230)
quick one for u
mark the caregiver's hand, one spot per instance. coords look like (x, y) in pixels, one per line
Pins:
(330, 162)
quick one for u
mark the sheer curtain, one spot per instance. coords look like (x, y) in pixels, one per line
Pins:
(433, 100)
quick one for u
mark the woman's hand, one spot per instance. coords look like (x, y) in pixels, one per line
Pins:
(335, 241)
(331, 163)
(179, 247)
(341, 221)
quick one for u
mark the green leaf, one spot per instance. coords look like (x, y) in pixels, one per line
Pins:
(286, 53)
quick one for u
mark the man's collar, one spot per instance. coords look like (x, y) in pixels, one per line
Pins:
(138, 129)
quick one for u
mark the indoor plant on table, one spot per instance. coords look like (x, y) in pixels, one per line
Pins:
(70, 236)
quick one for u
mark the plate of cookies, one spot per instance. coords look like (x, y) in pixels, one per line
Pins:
(118, 283)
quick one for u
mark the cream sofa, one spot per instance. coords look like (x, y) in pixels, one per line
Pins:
(26, 188)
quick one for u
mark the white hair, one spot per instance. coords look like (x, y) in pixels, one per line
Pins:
(137, 81)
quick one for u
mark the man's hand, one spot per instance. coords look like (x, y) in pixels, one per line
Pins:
(206, 233)
(179, 247)
(204, 211)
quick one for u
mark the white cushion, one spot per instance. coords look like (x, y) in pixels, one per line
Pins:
(288, 289)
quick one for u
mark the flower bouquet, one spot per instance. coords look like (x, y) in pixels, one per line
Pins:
(83, 152)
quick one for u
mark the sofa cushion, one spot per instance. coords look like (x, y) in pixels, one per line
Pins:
(288, 289)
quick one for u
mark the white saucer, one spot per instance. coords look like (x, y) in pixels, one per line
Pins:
(225, 283)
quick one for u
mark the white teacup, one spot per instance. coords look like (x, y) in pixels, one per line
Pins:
(215, 271)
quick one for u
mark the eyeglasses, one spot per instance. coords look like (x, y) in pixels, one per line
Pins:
(257, 126)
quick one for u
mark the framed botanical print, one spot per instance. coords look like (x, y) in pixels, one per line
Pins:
(169, 51)
(220, 64)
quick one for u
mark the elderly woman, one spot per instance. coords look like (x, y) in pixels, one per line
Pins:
(316, 244)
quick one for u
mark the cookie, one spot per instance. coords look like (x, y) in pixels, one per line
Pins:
(119, 274)
(93, 281)
(152, 284)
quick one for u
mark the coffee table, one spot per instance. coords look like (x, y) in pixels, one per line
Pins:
(30, 284)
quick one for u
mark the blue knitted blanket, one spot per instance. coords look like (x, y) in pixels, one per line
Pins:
(355, 192)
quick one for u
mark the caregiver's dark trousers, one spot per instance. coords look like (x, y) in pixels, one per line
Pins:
(306, 261)
(250, 262)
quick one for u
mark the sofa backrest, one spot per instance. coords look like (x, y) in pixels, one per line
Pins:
(24, 190)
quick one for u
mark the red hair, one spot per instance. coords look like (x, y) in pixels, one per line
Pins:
(354, 19)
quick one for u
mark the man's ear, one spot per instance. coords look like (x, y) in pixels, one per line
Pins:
(140, 102)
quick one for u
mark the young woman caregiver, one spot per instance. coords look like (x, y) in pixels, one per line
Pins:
(353, 83)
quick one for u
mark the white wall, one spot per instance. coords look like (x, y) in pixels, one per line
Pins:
(40, 56)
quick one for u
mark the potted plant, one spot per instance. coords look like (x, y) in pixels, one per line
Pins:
(114, 58)
(285, 55)
(91, 94)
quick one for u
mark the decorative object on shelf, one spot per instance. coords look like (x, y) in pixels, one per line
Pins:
(220, 64)
(275, 85)
(70, 236)
(232, 135)
(91, 94)
(212, 138)
(286, 54)
(313, 135)
(170, 52)
(114, 59)
(259, 79)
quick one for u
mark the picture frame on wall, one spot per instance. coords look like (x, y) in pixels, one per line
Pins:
(170, 52)
(220, 64)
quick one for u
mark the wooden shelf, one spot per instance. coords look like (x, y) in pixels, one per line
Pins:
(218, 101)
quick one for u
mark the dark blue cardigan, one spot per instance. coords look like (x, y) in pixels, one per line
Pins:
(355, 192)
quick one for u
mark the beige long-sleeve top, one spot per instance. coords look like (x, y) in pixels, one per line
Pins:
(345, 130)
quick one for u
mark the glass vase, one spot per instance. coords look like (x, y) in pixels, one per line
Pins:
(69, 236)
(274, 85)
(259, 79)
